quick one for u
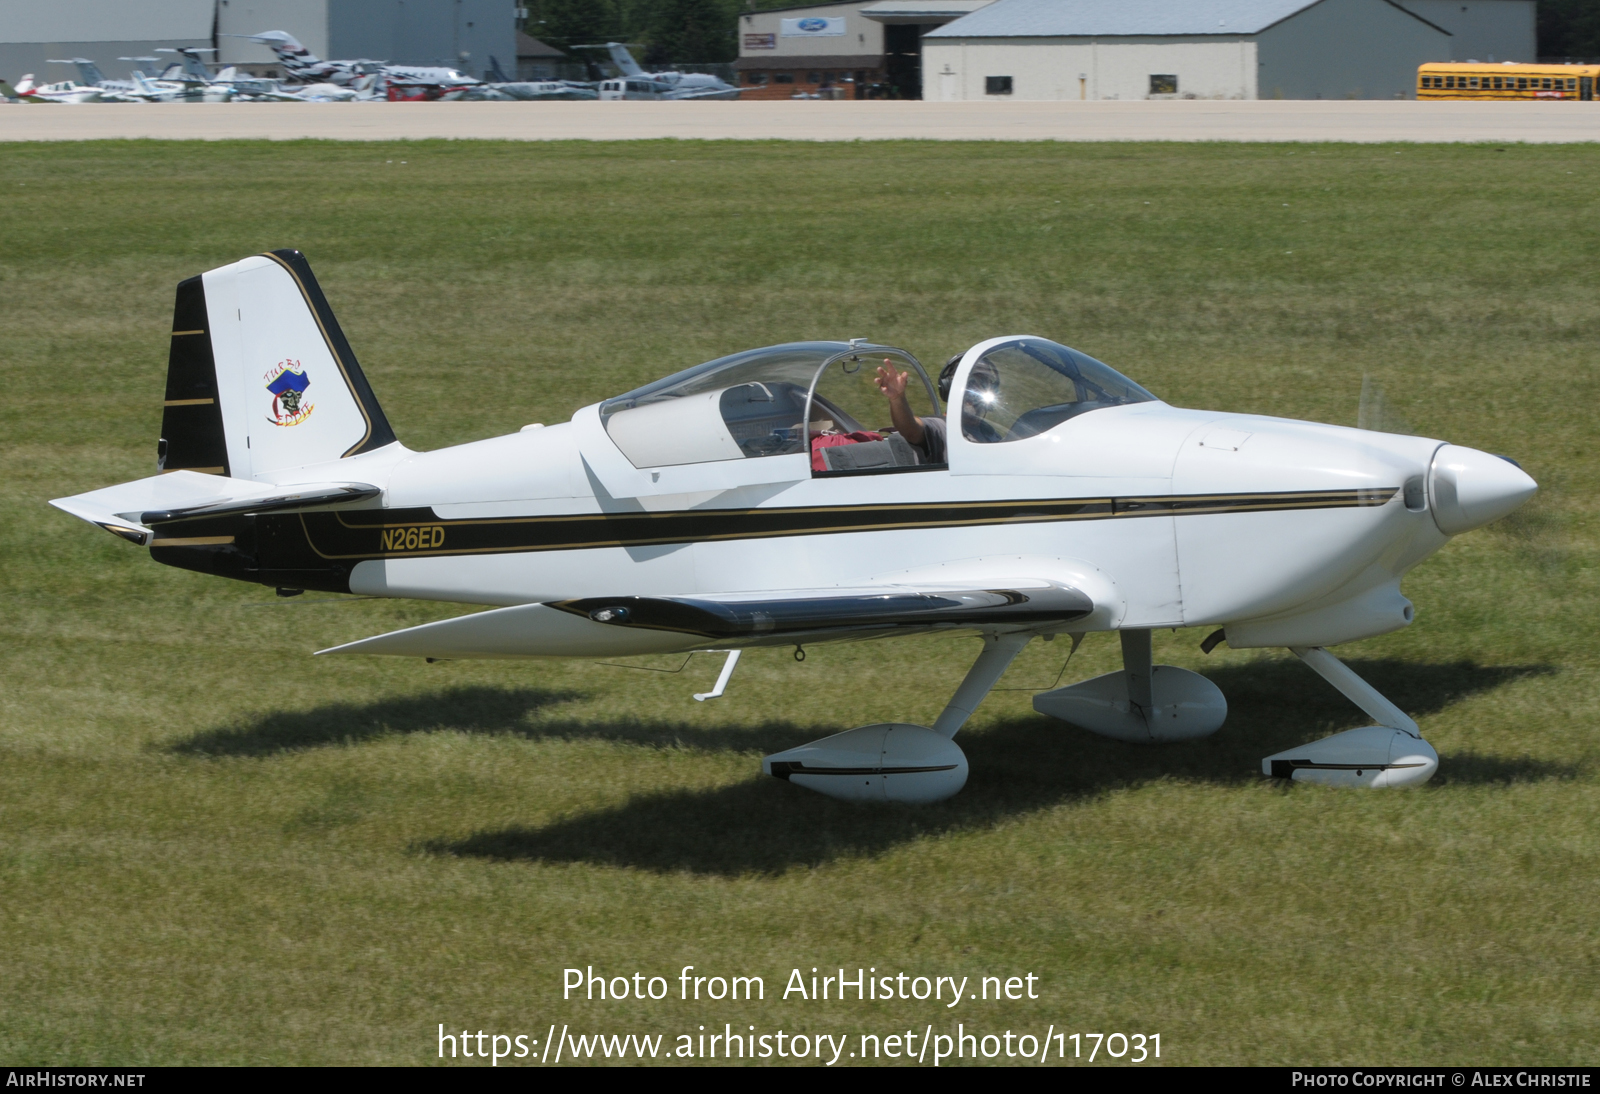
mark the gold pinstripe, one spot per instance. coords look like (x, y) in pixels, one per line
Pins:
(1220, 504)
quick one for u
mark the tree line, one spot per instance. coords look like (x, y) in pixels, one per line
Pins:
(1569, 28)
(662, 31)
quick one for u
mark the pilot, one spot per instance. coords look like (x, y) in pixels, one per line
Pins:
(928, 434)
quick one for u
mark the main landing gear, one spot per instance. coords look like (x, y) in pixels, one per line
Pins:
(897, 761)
(1143, 703)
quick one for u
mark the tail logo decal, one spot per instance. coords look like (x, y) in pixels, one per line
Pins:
(287, 381)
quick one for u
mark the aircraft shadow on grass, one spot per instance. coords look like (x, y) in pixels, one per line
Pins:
(1018, 766)
(763, 826)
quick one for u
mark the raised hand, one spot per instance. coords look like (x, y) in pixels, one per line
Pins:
(891, 381)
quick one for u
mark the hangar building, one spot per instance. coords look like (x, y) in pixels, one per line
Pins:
(32, 33)
(461, 33)
(850, 45)
(1214, 49)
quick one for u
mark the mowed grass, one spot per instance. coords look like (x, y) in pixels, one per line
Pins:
(217, 849)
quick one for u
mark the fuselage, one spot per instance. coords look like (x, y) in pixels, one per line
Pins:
(1270, 516)
(775, 470)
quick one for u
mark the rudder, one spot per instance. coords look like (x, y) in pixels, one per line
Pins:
(260, 376)
(192, 437)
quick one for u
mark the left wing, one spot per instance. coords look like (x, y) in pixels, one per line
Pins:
(621, 626)
(815, 610)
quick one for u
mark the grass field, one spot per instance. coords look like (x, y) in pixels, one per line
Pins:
(215, 849)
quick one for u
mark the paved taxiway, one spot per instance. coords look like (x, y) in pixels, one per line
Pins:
(1180, 120)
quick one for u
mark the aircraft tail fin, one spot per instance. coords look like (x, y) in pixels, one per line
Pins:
(496, 73)
(88, 72)
(260, 377)
(195, 65)
(296, 59)
(623, 59)
(24, 85)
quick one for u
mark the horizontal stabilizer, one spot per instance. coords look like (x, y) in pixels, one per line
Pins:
(296, 497)
(131, 509)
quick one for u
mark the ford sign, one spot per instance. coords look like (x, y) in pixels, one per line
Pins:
(812, 26)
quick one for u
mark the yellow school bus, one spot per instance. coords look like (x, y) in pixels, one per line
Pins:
(1507, 81)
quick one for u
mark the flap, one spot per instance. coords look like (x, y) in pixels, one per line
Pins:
(641, 624)
(819, 610)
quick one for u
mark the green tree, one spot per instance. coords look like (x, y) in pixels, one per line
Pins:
(1569, 28)
(661, 31)
(693, 31)
(567, 23)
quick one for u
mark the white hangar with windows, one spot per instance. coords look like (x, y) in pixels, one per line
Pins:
(1215, 49)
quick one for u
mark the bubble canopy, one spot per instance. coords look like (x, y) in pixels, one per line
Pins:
(789, 399)
(758, 403)
(1027, 386)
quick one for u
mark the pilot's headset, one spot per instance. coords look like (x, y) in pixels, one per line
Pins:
(947, 376)
(984, 379)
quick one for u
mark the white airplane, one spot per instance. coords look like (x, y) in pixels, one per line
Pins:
(749, 502)
(177, 82)
(530, 91)
(300, 64)
(260, 89)
(64, 91)
(180, 90)
(635, 83)
(504, 89)
(89, 75)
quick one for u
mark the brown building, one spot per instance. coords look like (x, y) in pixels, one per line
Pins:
(847, 76)
(537, 60)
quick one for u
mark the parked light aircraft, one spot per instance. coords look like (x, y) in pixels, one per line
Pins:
(750, 501)
(188, 80)
(635, 83)
(504, 89)
(89, 75)
(178, 90)
(302, 65)
(64, 91)
(531, 91)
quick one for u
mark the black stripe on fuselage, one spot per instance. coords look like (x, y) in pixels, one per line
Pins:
(419, 532)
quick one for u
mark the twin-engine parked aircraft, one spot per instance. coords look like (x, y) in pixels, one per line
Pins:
(635, 83)
(504, 89)
(759, 500)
